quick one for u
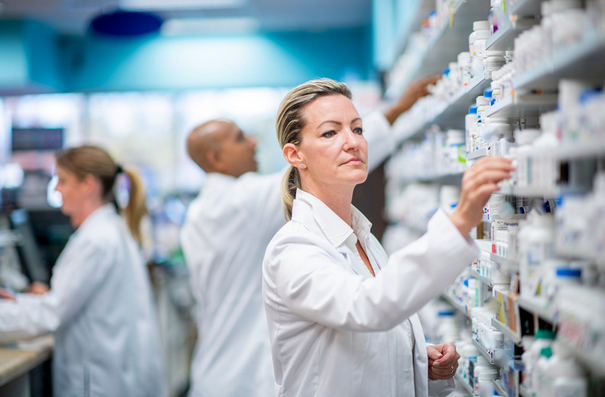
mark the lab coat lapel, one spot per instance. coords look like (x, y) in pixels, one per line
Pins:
(421, 368)
(356, 266)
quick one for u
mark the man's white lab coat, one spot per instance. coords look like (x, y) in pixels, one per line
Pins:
(336, 330)
(226, 232)
(100, 310)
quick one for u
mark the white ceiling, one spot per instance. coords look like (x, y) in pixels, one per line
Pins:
(73, 16)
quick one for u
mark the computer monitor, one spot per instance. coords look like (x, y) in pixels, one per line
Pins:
(32, 264)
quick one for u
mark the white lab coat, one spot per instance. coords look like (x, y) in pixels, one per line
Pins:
(336, 330)
(100, 310)
(226, 232)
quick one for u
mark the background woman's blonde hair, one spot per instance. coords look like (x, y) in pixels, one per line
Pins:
(291, 121)
(92, 160)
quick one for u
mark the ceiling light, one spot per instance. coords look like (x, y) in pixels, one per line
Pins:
(192, 26)
(179, 4)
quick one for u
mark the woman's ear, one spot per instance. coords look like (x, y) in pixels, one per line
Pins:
(91, 185)
(292, 155)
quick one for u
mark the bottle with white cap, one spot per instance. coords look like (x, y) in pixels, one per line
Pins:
(524, 138)
(478, 38)
(543, 338)
(564, 376)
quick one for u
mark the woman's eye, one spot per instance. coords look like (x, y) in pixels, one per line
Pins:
(328, 134)
(358, 131)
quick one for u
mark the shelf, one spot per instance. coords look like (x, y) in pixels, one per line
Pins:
(483, 279)
(523, 392)
(446, 178)
(535, 308)
(445, 44)
(483, 351)
(593, 362)
(530, 105)
(422, 11)
(574, 253)
(499, 389)
(515, 217)
(451, 40)
(502, 260)
(525, 8)
(585, 60)
(450, 115)
(464, 384)
(516, 338)
(455, 302)
(572, 152)
(505, 36)
(474, 155)
(528, 191)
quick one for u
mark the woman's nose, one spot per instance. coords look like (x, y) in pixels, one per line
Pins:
(352, 140)
(252, 141)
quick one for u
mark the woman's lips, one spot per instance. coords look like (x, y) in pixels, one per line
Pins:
(353, 161)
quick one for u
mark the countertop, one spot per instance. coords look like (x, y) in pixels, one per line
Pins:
(18, 360)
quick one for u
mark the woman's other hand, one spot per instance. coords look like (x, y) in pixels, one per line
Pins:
(478, 184)
(38, 288)
(443, 361)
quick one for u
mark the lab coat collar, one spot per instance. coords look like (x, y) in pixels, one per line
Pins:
(335, 229)
(98, 214)
(216, 178)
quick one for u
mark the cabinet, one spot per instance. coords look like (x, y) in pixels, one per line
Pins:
(557, 90)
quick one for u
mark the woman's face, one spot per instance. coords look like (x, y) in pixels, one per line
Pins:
(72, 191)
(333, 149)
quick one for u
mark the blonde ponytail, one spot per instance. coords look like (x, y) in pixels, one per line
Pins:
(290, 183)
(136, 208)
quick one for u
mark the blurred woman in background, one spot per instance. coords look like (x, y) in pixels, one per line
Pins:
(99, 305)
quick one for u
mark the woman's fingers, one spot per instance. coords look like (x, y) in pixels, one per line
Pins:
(442, 373)
(478, 184)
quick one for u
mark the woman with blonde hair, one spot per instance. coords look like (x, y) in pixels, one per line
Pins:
(341, 313)
(99, 305)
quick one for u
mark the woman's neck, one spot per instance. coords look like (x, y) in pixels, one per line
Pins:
(87, 208)
(338, 200)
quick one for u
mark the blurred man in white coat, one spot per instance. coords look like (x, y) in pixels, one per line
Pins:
(226, 231)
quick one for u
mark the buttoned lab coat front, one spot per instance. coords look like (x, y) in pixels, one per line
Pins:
(100, 310)
(336, 330)
(226, 232)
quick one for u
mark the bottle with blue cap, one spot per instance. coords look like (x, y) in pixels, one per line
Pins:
(470, 125)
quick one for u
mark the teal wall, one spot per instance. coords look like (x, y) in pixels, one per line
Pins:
(13, 54)
(29, 57)
(391, 26)
(33, 55)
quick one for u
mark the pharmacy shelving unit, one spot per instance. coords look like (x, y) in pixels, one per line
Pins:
(447, 41)
(528, 105)
(534, 94)
(446, 178)
(499, 389)
(455, 303)
(585, 60)
(464, 384)
(523, 392)
(505, 36)
(450, 114)
(589, 358)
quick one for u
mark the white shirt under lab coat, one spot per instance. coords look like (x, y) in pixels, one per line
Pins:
(100, 310)
(226, 232)
(336, 330)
